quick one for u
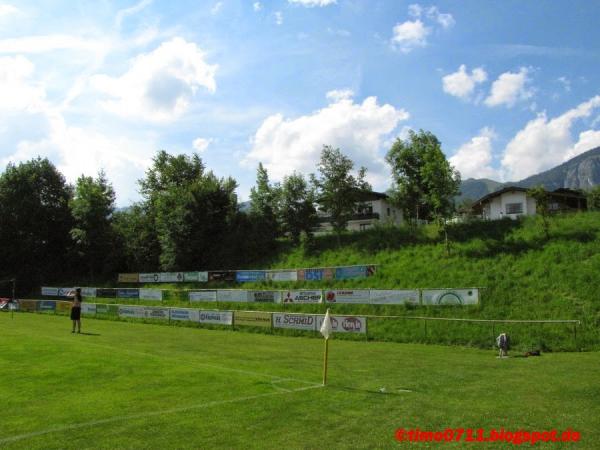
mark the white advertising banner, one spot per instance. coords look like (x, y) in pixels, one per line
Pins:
(156, 313)
(49, 291)
(347, 296)
(171, 277)
(232, 295)
(66, 292)
(216, 317)
(136, 312)
(185, 314)
(450, 296)
(295, 321)
(345, 324)
(282, 275)
(302, 296)
(88, 308)
(264, 296)
(151, 294)
(203, 296)
(393, 297)
(88, 292)
(149, 277)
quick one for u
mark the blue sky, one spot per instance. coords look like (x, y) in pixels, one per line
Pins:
(511, 88)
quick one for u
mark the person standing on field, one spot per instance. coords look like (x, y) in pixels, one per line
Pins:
(76, 310)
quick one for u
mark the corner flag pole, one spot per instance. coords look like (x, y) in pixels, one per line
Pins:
(326, 330)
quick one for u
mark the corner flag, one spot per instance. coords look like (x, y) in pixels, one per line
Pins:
(326, 330)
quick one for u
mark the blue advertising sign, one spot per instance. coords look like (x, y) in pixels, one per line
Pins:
(346, 273)
(128, 293)
(313, 274)
(47, 305)
(243, 276)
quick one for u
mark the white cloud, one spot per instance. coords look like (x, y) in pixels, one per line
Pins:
(358, 129)
(17, 89)
(216, 8)
(158, 85)
(201, 144)
(415, 10)
(257, 6)
(8, 10)
(313, 3)
(587, 140)
(409, 35)
(509, 88)
(338, 95)
(124, 13)
(474, 159)
(278, 17)
(566, 83)
(544, 143)
(460, 84)
(444, 19)
(47, 43)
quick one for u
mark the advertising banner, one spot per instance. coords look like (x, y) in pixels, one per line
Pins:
(50, 291)
(128, 278)
(450, 296)
(195, 276)
(306, 322)
(302, 296)
(350, 272)
(216, 317)
(171, 277)
(156, 313)
(106, 293)
(221, 275)
(203, 296)
(184, 314)
(345, 324)
(28, 305)
(88, 292)
(245, 276)
(62, 306)
(151, 294)
(66, 292)
(282, 275)
(315, 274)
(253, 319)
(149, 277)
(264, 296)
(88, 309)
(394, 297)
(128, 293)
(47, 305)
(232, 295)
(132, 312)
(347, 296)
(103, 308)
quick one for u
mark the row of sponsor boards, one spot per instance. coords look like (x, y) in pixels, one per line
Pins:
(143, 294)
(313, 322)
(243, 276)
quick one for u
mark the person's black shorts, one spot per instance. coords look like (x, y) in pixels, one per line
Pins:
(75, 313)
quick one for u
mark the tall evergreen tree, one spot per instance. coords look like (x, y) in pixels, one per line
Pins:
(297, 207)
(263, 207)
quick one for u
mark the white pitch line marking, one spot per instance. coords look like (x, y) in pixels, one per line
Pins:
(152, 414)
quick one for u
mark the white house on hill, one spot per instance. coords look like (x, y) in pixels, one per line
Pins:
(513, 202)
(373, 208)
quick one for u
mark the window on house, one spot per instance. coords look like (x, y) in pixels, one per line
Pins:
(388, 211)
(514, 208)
(364, 226)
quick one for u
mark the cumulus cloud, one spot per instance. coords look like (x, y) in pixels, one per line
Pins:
(201, 144)
(313, 3)
(461, 84)
(544, 143)
(47, 43)
(7, 10)
(444, 19)
(17, 89)
(410, 35)
(358, 129)
(158, 85)
(338, 95)
(509, 88)
(474, 158)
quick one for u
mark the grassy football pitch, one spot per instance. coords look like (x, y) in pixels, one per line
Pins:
(134, 385)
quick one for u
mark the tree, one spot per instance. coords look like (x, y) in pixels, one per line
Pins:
(593, 199)
(338, 191)
(297, 210)
(542, 207)
(424, 183)
(35, 221)
(92, 207)
(263, 207)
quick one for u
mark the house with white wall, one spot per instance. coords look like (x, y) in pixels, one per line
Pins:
(373, 208)
(514, 202)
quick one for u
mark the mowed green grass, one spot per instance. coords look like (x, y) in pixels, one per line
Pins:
(134, 385)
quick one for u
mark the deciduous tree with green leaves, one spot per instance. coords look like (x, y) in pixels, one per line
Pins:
(542, 207)
(338, 191)
(263, 205)
(297, 207)
(593, 199)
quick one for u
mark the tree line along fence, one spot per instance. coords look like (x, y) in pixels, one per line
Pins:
(525, 335)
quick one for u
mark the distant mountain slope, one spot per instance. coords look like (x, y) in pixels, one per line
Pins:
(581, 172)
